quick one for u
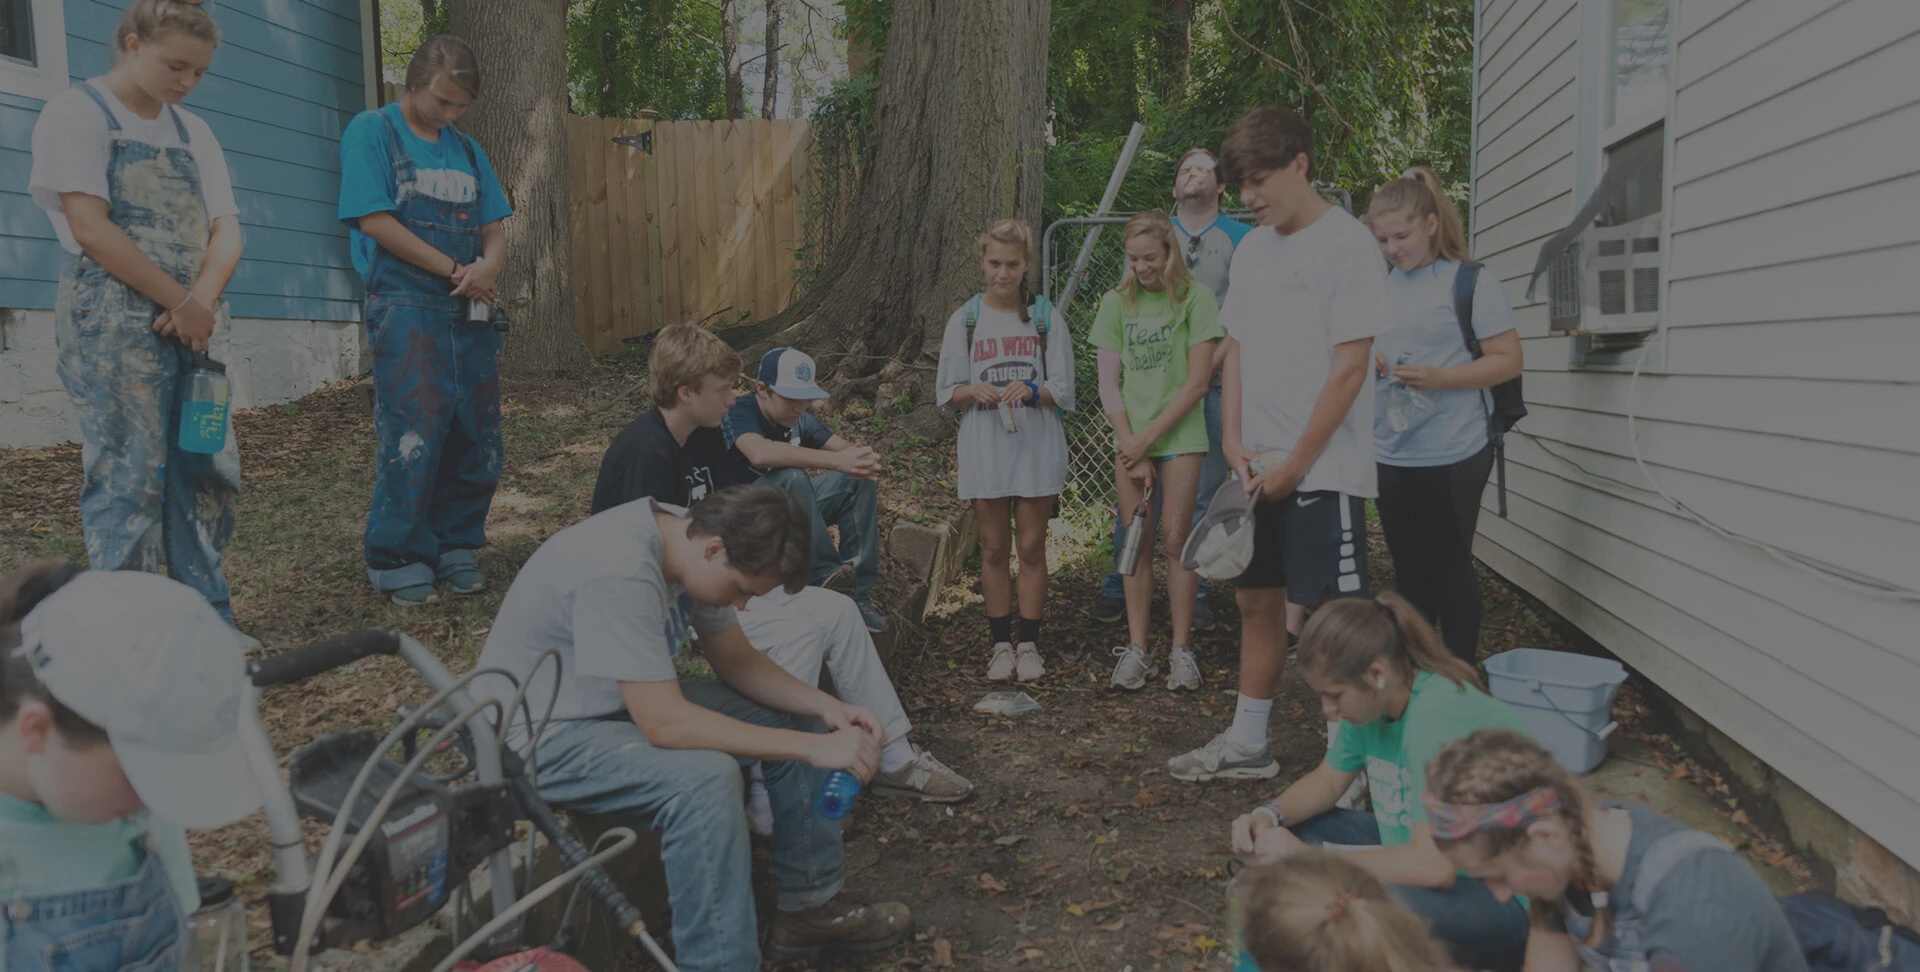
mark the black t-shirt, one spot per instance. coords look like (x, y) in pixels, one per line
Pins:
(645, 461)
(745, 416)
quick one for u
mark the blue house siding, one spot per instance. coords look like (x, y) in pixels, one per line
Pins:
(285, 82)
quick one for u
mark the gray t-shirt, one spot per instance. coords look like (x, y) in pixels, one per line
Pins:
(595, 593)
(1711, 913)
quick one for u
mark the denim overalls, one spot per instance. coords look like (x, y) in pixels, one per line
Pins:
(142, 494)
(132, 926)
(1625, 950)
(436, 382)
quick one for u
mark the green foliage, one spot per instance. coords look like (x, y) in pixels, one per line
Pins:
(625, 55)
(403, 25)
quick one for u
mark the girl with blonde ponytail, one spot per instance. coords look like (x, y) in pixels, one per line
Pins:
(138, 193)
(1431, 416)
(1398, 696)
(1322, 913)
(1610, 887)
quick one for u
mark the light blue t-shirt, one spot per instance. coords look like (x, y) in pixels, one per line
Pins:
(1426, 332)
(40, 854)
(367, 179)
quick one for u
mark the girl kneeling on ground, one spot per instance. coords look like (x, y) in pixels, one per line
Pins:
(1320, 912)
(1007, 363)
(1398, 696)
(1156, 333)
(1611, 887)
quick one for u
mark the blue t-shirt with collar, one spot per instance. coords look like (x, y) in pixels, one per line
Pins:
(1427, 331)
(367, 178)
(1209, 261)
(745, 417)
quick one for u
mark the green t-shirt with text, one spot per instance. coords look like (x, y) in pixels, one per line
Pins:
(1152, 337)
(1395, 754)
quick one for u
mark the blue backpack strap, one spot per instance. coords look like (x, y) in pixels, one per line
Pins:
(971, 317)
(1042, 323)
(1666, 854)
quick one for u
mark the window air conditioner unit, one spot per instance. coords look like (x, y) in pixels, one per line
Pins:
(1619, 277)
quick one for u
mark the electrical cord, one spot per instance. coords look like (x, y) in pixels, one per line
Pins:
(532, 756)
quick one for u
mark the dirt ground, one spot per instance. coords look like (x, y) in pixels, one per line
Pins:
(1078, 851)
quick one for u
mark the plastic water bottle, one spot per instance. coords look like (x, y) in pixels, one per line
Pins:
(837, 794)
(217, 933)
(203, 407)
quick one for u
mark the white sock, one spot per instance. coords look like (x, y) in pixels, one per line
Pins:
(1249, 730)
(759, 808)
(895, 755)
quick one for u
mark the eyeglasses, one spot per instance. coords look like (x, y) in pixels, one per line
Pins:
(1193, 251)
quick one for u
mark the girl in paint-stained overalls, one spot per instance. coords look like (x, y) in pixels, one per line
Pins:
(138, 194)
(425, 208)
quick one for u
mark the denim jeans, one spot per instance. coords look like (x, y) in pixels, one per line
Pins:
(1481, 931)
(133, 924)
(696, 799)
(853, 505)
(1213, 472)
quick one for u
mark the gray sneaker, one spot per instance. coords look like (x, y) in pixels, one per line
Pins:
(1027, 661)
(1134, 669)
(1001, 667)
(926, 778)
(1183, 670)
(1221, 759)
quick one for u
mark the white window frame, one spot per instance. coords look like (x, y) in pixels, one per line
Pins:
(1593, 138)
(47, 76)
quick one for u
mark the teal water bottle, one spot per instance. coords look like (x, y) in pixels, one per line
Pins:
(203, 407)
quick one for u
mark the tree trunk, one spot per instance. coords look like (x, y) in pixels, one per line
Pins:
(730, 56)
(608, 55)
(770, 92)
(521, 122)
(429, 9)
(961, 140)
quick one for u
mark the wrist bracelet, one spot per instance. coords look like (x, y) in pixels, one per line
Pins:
(1272, 809)
(184, 301)
(1033, 390)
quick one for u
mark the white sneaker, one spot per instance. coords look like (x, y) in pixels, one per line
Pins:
(1222, 759)
(1001, 667)
(759, 808)
(1183, 670)
(1134, 669)
(1028, 661)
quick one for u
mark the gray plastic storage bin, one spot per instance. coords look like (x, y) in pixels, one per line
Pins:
(1565, 699)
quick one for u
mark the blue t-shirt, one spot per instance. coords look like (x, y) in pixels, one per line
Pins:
(1448, 426)
(745, 417)
(367, 179)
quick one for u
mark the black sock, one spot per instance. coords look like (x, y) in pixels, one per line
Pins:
(1029, 629)
(1002, 628)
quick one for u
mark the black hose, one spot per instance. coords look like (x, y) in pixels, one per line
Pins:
(572, 852)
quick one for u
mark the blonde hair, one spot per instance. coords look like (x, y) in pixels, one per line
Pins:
(1174, 277)
(683, 354)
(149, 19)
(448, 55)
(1497, 765)
(1319, 913)
(1014, 232)
(1343, 638)
(1419, 195)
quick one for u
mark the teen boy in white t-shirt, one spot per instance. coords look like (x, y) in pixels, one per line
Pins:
(1307, 294)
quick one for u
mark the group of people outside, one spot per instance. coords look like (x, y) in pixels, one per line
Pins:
(1239, 370)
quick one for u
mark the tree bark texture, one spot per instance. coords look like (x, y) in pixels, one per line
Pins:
(770, 91)
(960, 125)
(520, 119)
(730, 56)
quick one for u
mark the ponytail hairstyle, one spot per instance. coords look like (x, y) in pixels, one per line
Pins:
(1014, 232)
(444, 54)
(149, 19)
(1174, 277)
(1320, 913)
(1418, 194)
(1346, 636)
(19, 592)
(1495, 766)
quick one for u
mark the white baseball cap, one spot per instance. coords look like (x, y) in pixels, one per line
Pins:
(151, 662)
(1221, 545)
(790, 373)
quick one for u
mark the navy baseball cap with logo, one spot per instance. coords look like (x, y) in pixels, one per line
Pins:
(789, 372)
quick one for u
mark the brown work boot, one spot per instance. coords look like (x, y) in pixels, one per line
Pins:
(845, 924)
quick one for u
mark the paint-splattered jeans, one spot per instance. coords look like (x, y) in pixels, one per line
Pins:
(436, 386)
(142, 495)
(696, 798)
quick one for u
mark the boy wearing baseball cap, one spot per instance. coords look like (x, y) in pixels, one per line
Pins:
(120, 697)
(773, 440)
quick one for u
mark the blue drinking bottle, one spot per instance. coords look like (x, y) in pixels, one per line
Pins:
(203, 407)
(837, 794)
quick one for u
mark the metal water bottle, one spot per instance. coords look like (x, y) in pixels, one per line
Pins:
(203, 407)
(1126, 557)
(837, 794)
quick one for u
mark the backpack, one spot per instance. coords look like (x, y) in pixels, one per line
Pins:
(1838, 938)
(1042, 323)
(1507, 405)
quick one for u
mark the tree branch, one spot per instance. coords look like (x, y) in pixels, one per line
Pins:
(1298, 73)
